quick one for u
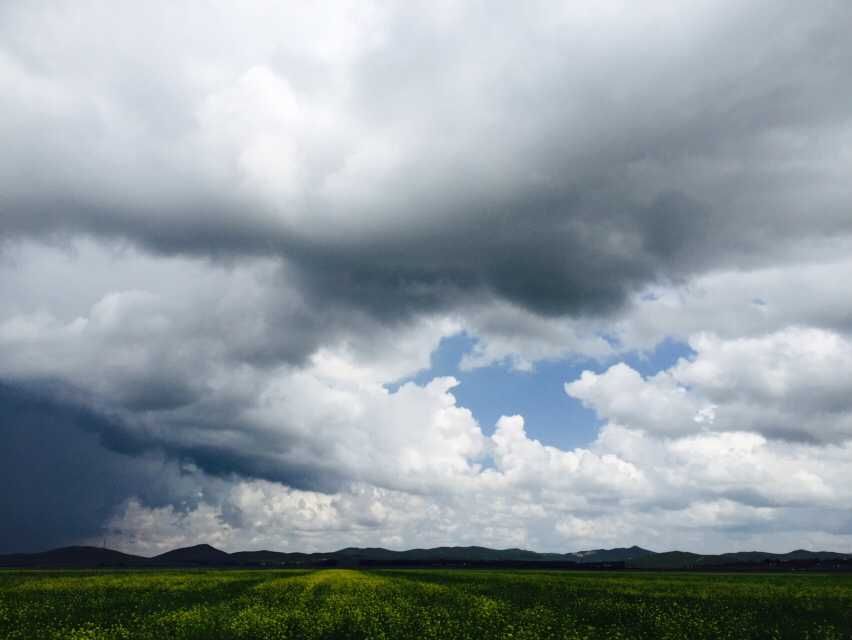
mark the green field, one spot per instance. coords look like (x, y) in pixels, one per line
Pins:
(421, 604)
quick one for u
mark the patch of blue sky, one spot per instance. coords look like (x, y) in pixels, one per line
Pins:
(665, 355)
(550, 415)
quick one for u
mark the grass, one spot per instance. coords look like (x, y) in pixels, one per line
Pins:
(238, 604)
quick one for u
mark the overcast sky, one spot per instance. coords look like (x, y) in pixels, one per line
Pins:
(544, 275)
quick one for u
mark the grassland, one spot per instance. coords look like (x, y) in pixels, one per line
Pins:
(420, 604)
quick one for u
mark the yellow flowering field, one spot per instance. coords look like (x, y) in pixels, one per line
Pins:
(279, 604)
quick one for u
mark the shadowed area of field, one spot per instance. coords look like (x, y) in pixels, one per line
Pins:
(240, 604)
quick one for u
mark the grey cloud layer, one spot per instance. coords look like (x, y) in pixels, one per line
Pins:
(554, 158)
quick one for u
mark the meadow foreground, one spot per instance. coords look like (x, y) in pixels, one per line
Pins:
(276, 604)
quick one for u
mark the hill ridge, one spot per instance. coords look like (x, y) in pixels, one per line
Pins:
(633, 557)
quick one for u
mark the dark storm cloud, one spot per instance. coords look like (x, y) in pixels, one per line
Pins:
(547, 168)
(66, 468)
(60, 482)
(214, 435)
(553, 255)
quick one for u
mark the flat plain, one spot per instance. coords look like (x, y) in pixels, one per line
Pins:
(337, 603)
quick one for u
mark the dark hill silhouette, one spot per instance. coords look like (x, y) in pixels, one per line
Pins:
(73, 557)
(204, 555)
(746, 560)
(198, 555)
(264, 557)
(611, 555)
(441, 556)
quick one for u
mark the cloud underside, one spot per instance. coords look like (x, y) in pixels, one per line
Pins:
(223, 236)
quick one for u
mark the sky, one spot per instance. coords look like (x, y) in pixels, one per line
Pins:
(547, 275)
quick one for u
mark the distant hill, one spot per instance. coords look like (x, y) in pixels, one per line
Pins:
(611, 555)
(199, 555)
(439, 556)
(637, 558)
(745, 560)
(73, 557)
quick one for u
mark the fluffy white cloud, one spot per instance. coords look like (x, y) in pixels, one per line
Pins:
(725, 303)
(698, 454)
(710, 490)
(525, 463)
(715, 492)
(739, 303)
(659, 403)
(414, 438)
(793, 384)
